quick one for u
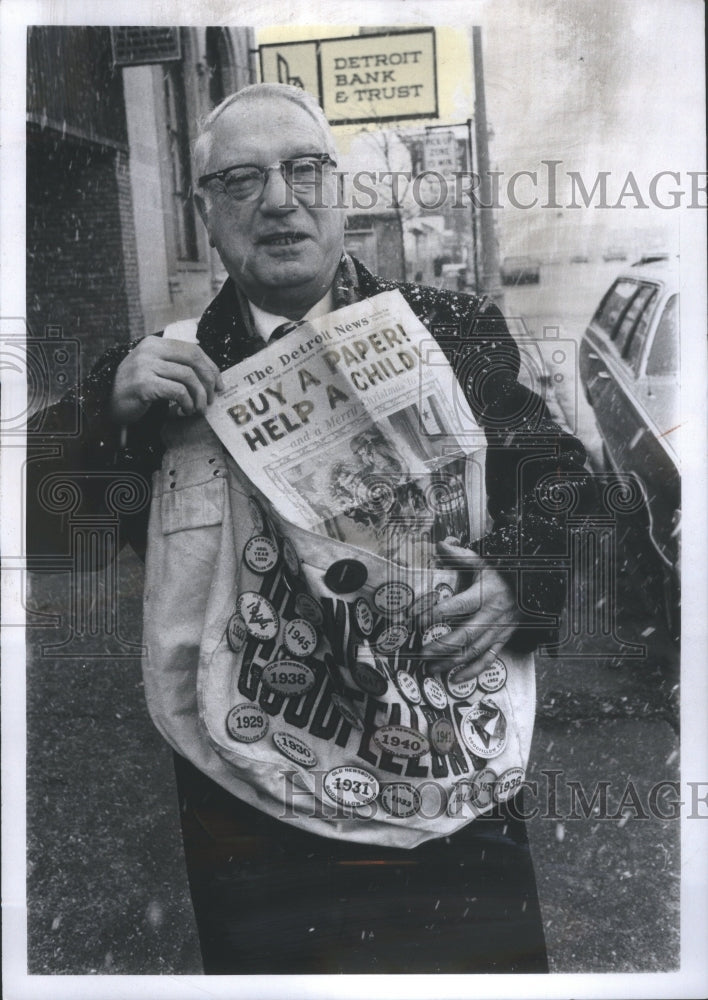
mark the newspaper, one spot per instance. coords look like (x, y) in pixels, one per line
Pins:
(354, 426)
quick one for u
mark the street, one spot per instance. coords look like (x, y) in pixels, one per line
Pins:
(107, 889)
(555, 313)
(616, 720)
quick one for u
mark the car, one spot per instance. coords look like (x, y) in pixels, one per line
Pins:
(629, 370)
(580, 258)
(652, 257)
(520, 271)
(614, 253)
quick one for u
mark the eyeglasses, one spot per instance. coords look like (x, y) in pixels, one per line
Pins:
(246, 182)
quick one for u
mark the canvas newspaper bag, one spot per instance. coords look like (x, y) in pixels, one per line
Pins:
(290, 581)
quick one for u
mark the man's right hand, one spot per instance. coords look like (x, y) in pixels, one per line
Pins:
(161, 368)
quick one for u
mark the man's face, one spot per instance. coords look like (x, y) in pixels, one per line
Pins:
(280, 252)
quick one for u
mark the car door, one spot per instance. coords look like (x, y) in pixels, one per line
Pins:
(655, 452)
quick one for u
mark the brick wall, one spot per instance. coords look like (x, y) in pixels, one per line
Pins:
(131, 280)
(81, 258)
(72, 83)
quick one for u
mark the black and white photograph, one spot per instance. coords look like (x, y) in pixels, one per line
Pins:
(448, 736)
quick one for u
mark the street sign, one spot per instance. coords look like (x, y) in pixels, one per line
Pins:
(362, 78)
(440, 150)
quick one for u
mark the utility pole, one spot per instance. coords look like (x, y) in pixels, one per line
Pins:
(490, 260)
(473, 220)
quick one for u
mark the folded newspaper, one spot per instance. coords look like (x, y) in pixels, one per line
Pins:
(354, 426)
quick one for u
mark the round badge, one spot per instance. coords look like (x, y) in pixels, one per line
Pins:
(443, 590)
(483, 729)
(307, 607)
(288, 677)
(369, 676)
(236, 633)
(247, 723)
(400, 799)
(442, 736)
(260, 616)
(507, 783)
(460, 797)
(392, 638)
(483, 788)
(401, 741)
(363, 616)
(434, 692)
(346, 576)
(294, 749)
(351, 786)
(493, 678)
(261, 554)
(393, 598)
(408, 686)
(291, 558)
(435, 631)
(300, 637)
(347, 711)
(257, 514)
(460, 689)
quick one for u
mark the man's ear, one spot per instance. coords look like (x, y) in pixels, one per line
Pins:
(202, 208)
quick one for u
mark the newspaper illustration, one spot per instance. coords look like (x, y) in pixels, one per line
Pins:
(354, 426)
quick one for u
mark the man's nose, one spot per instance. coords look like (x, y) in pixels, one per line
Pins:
(277, 194)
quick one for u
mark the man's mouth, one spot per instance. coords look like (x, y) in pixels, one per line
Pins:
(282, 239)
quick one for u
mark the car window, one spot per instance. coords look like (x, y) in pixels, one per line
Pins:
(632, 333)
(638, 307)
(612, 307)
(664, 353)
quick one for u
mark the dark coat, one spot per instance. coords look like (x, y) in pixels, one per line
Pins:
(526, 451)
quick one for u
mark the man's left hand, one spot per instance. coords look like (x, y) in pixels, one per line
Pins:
(482, 618)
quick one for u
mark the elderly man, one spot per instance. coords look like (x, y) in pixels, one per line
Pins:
(273, 896)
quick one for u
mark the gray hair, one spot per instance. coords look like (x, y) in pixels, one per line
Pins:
(282, 91)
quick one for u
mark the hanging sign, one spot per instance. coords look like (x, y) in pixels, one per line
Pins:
(363, 78)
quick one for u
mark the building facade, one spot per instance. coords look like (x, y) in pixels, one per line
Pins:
(114, 249)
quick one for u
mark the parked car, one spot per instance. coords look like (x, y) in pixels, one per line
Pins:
(614, 253)
(580, 258)
(520, 271)
(629, 369)
(652, 257)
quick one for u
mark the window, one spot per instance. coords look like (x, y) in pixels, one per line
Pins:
(632, 330)
(180, 169)
(613, 306)
(219, 64)
(664, 353)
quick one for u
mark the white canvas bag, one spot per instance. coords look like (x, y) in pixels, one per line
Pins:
(286, 665)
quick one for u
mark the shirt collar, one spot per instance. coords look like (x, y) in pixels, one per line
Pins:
(226, 330)
(264, 322)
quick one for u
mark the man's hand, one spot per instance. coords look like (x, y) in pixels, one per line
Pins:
(482, 618)
(161, 368)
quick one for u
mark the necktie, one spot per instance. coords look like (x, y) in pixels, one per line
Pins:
(284, 329)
